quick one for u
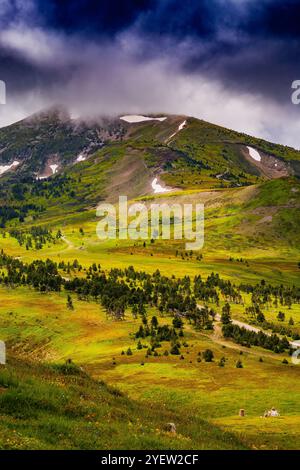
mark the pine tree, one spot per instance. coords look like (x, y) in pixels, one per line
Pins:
(154, 322)
(70, 303)
(225, 317)
(208, 355)
(175, 350)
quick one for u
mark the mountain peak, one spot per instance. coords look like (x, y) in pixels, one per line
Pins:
(54, 113)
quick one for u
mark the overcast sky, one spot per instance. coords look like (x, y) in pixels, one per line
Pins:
(231, 62)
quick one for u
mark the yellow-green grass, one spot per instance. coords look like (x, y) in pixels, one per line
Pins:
(233, 228)
(39, 327)
(60, 407)
(238, 312)
(271, 266)
(276, 433)
(250, 233)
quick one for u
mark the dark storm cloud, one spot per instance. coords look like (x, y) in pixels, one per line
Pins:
(277, 18)
(249, 44)
(21, 74)
(92, 17)
(107, 17)
(151, 55)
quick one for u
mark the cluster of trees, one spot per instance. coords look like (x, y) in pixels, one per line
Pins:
(119, 290)
(272, 296)
(26, 197)
(280, 329)
(210, 289)
(41, 275)
(250, 338)
(53, 188)
(156, 334)
(35, 237)
(10, 212)
(68, 267)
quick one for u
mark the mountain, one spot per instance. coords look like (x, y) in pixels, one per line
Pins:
(55, 167)
(52, 138)
(187, 151)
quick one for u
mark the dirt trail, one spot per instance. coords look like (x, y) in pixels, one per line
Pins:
(218, 339)
(68, 242)
(293, 344)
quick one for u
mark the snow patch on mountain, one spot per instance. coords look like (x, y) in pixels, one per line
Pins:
(180, 127)
(254, 154)
(158, 188)
(4, 168)
(132, 118)
(38, 178)
(53, 168)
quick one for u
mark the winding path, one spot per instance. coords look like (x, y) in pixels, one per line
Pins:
(70, 244)
(293, 344)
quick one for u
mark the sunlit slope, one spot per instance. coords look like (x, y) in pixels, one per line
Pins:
(252, 228)
(250, 233)
(47, 404)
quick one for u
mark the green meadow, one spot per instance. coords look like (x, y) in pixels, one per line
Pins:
(202, 399)
(69, 381)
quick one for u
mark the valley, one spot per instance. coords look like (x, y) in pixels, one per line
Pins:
(71, 304)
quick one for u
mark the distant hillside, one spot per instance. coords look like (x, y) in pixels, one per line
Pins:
(187, 151)
(51, 165)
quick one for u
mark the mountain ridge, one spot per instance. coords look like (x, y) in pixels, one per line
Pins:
(52, 137)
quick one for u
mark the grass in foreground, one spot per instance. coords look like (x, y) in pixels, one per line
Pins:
(61, 407)
(202, 399)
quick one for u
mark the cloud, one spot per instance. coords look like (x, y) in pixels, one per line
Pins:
(216, 69)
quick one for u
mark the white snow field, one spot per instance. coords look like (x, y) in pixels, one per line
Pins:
(137, 118)
(254, 154)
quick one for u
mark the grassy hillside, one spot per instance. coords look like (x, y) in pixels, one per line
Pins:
(61, 407)
(46, 404)
(251, 241)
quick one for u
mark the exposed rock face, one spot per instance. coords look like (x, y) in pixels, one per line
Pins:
(268, 165)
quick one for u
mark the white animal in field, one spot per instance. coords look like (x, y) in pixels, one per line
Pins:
(272, 413)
